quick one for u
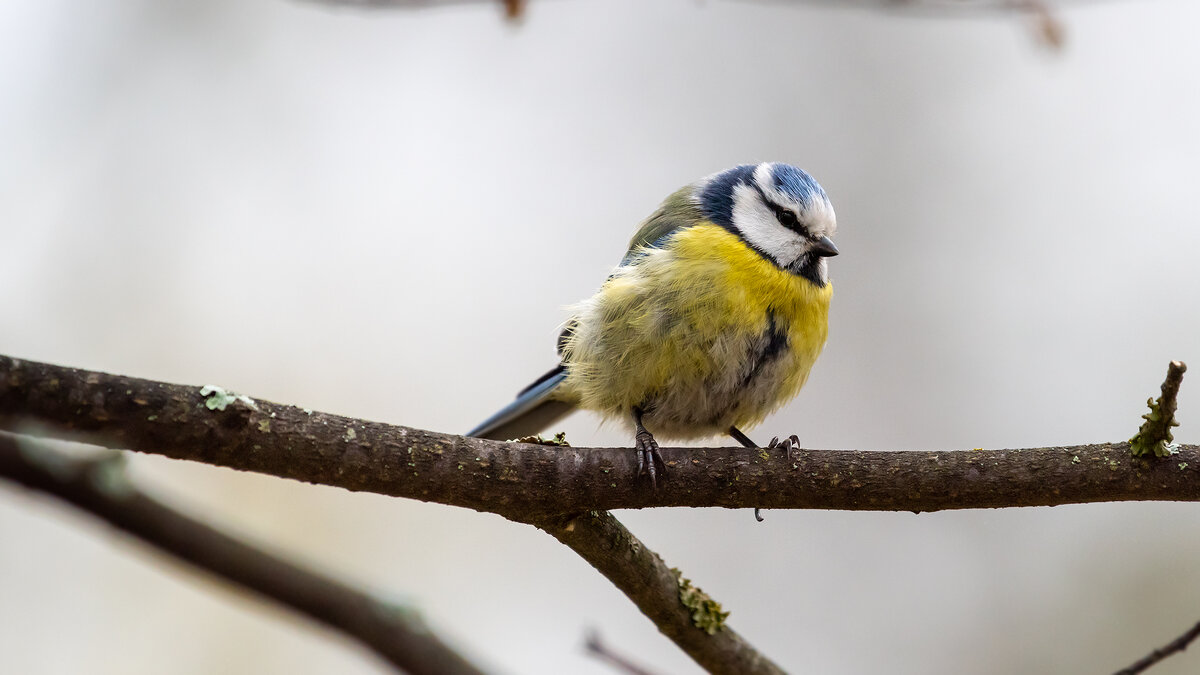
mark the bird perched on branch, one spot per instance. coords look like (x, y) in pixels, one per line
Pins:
(711, 322)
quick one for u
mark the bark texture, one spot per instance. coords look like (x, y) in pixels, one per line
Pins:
(523, 481)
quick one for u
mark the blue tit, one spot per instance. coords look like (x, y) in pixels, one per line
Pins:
(711, 322)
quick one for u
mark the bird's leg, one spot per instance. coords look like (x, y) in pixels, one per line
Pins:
(738, 436)
(650, 462)
(786, 445)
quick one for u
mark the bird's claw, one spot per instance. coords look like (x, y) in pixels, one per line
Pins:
(787, 445)
(650, 462)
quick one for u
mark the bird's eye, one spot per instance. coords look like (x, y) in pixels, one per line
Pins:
(784, 215)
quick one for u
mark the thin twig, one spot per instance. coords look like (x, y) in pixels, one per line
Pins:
(1177, 645)
(1155, 437)
(598, 649)
(658, 591)
(100, 487)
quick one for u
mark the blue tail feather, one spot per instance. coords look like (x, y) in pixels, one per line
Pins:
(534, 409)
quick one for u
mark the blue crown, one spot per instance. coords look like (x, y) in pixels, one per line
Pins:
(716, 197)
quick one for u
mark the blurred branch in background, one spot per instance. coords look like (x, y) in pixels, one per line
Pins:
(1048, 29)
(100, 486)
(597, 648)
(513, 9)
(562, 490)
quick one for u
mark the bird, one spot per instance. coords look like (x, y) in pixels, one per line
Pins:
(712, 320)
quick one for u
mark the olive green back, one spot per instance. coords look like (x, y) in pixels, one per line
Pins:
(677, 212)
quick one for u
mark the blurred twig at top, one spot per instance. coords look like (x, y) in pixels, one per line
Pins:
(1047, 28)
(513, 9)
(940, 7)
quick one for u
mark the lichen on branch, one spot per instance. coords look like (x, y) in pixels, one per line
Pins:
(1154, 438)
(707, 614)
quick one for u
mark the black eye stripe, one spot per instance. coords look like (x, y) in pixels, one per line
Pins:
(785, 216)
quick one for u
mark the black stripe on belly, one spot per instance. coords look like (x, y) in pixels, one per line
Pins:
(774, 341)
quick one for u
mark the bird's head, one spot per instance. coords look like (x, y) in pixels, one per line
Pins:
(778, 210)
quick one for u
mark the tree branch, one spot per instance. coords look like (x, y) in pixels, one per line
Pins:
(212, 425)
(566, 491)
(658, 591)
(1177, 645)
(524, 482)
(100, 487)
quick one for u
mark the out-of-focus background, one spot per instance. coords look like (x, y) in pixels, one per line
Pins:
(383, 214)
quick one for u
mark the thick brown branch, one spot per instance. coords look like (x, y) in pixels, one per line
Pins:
(524, 481)
(1174, 646)
(101, 488)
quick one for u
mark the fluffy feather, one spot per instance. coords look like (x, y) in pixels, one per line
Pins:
(713, 319)
(701, 333)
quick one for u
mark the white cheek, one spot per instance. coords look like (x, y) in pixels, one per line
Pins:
(758, 225)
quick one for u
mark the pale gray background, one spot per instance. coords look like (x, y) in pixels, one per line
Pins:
(383, 214)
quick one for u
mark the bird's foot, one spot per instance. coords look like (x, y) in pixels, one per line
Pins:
(650, 462)
(787, 445)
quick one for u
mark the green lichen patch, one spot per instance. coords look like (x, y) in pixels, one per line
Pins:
(559, 440)
(706, 612)
(218, 398)
(1155, 437)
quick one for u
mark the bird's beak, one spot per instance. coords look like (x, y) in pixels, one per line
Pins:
(824, 247)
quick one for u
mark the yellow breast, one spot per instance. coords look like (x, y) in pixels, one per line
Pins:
(712, 254)
(703, 333)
